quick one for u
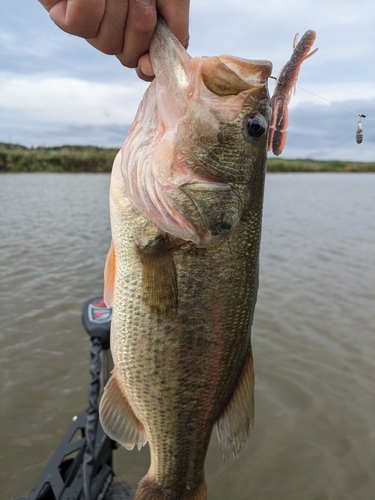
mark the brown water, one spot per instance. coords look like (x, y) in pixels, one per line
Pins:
(313, 337)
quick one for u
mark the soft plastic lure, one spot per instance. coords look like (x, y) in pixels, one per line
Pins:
(285, 83)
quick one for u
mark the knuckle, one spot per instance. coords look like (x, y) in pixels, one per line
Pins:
(128, 62)
(111, 48)
(143, 28)
(85, 33)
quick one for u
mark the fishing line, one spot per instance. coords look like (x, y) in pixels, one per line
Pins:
(359, 133)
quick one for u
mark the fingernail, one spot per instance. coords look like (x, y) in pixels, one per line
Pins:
(146, 71)
(146, 3)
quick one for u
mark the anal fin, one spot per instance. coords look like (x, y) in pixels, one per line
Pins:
(236, 421)
(117, 416)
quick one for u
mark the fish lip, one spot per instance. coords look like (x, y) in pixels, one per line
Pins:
(253, 72)
(166, 51)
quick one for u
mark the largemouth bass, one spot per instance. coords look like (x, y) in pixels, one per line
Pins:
(182, 271)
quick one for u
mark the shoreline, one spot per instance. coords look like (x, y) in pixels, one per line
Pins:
(17, 158)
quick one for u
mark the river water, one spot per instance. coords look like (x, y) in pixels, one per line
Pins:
(313, 335)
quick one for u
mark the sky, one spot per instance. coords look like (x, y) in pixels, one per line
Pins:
(56, 89)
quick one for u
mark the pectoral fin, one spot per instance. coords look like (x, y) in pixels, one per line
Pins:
(109, 276)
(117, 416)
(159, 278)
(236, 421)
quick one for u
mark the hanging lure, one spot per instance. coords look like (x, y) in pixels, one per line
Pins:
(359, 133)
(285, 83)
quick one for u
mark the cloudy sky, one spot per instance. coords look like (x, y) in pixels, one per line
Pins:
(56, 89)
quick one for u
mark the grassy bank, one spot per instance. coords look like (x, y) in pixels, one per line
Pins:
(279, 165)
(17, 158)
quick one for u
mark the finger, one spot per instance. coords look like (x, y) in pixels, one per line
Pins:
(77, 17)
(144, 69)
(140, 26)
(176, 15)
(144, 77)
(110, 37)
(48, 4)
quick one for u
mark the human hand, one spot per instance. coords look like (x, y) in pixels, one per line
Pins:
(123, 28)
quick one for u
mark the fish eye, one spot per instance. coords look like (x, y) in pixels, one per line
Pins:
(254, 126)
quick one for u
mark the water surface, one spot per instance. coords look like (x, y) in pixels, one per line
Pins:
(313, 335)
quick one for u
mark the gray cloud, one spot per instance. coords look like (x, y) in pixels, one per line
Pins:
(34, 133)
(343, 70)
(30, 44)
(328, 132)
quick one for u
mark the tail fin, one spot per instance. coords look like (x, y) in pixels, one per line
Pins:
(148, 489)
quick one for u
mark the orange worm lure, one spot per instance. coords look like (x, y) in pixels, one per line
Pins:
(285, 83)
